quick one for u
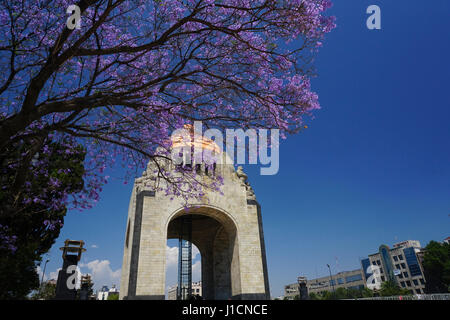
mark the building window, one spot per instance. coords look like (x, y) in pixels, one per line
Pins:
(400, 257)
(382, 278)
(413, 263)
(418, 291)
(403, 266)
(395, 258)
(365, 264)
(340, 280)
(356, 277)
(400, 276)
(405, 274)
(416, 283)
(402, 283)
(397, 266)
(422, 281)
(381, 270)
(374, 263)
(357, 287)
(387, 260)
(408, 283)
(379, 262)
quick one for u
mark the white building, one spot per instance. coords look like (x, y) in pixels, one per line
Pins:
(196, 290)
(407, 244)
(104, 293)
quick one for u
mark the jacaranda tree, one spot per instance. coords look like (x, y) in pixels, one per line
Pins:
(31, 217)
(135, 70)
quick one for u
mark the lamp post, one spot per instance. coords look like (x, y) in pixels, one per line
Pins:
(43, 273)
(331, 278)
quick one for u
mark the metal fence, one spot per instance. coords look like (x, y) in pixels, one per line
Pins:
(437, 296)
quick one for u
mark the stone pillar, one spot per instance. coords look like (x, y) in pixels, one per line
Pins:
(207, 272)
(146, 278)
(222, 266)
(252, 256)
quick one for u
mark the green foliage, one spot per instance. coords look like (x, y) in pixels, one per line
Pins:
(390, 288)
(32, 224)
(314, 296)
(46, 292)
(113, 297)
(387, 289)
(342, 293)
(18, 273)
(436, 264)
(367, 293)
(328, 295)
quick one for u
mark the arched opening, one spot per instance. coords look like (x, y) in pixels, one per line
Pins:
(214, 234)
(172, 256)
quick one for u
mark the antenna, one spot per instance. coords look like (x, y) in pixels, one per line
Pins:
(317, 275)
(338, 269)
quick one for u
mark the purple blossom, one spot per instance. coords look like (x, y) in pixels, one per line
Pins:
(7, 241)
(121, 90)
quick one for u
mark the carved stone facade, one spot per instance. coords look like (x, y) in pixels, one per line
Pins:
(227, 230)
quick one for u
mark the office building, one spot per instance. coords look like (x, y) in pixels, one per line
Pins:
(105, 292)
(196, 290)
(400, 264)
(346, 279)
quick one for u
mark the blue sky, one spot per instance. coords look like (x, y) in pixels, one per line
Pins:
(373, 167)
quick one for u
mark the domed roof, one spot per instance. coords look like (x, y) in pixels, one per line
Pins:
(179, 140)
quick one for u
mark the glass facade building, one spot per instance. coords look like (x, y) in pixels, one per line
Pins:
(412, 261)
(346, 279)
(399, 264)
(365, 263)
(387, 263)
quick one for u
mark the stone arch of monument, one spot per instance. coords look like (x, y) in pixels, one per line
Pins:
(214, 233)
(226, 228)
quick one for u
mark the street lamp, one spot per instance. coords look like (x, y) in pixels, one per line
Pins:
(45, 265)
(331, 278)
(43, 272)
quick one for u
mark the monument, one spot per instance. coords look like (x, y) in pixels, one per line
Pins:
(226, 228)
(71, 255)
(86, 287)
(302, 288)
